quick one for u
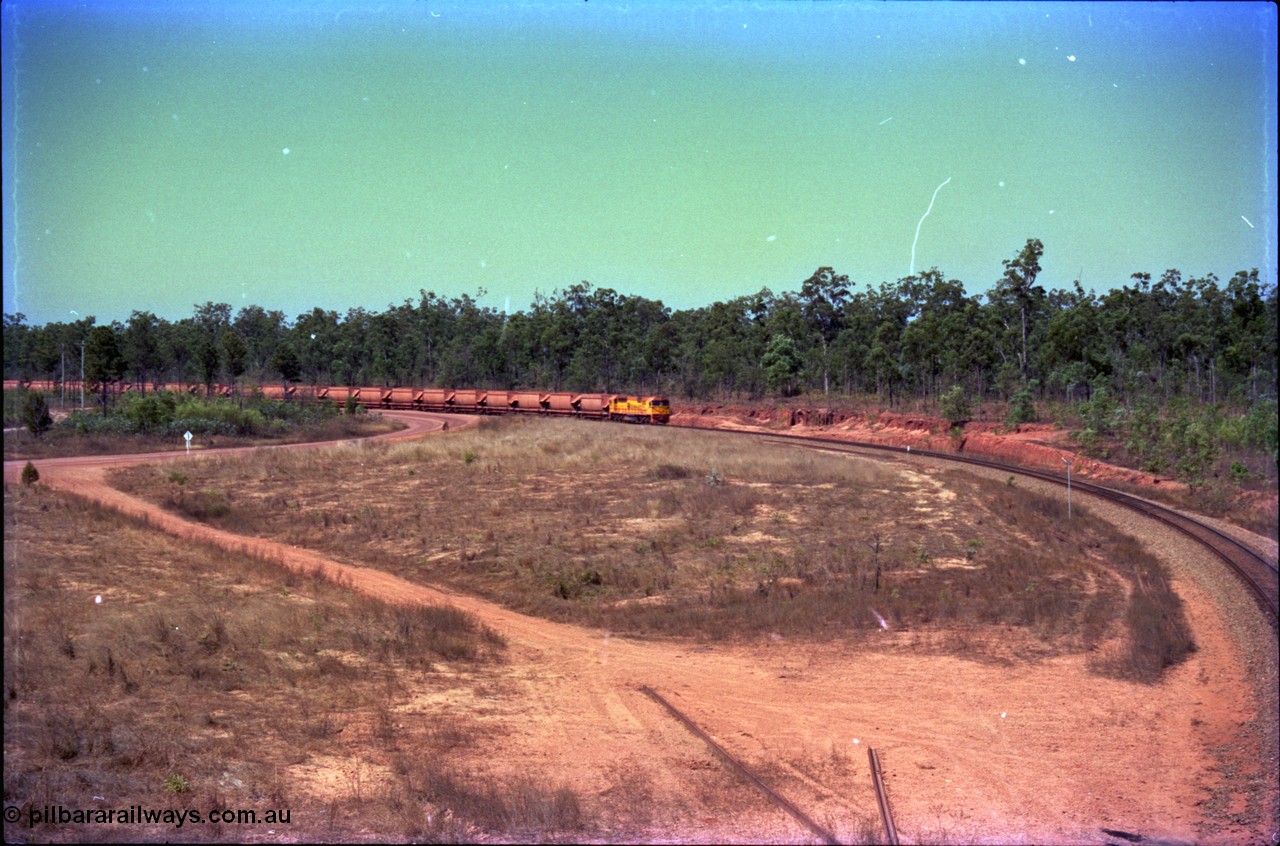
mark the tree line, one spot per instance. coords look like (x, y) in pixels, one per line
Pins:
(921, 336)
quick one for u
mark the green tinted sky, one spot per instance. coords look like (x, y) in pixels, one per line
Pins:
(342, 154)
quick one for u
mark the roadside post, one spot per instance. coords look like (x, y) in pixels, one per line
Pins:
(187, 437)
(1067, 462)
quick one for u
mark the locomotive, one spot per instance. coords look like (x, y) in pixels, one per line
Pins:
(617, 407)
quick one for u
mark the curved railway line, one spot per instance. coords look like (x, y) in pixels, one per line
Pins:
(1259, 575)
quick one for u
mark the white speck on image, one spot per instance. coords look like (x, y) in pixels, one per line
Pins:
(886, 120)
(1001, 183)
(1246, 220)
(772, 238)
(912, 271)
(285, 151)
(1071, 58)
(1022, 61)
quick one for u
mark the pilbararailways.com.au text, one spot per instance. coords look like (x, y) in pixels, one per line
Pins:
(138, 815)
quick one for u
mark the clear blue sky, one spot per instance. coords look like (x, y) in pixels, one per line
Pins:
(347, 154)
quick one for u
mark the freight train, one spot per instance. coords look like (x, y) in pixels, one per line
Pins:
(620, 407)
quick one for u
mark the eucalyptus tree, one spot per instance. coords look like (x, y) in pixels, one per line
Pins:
(235, 355)
(314, 335)
(17, 346)
(1018, 290)
(1250, 333)
(823, 296)
(140, 345)
(261, 330)
(103, 362)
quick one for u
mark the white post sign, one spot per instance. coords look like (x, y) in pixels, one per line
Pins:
(187, 437)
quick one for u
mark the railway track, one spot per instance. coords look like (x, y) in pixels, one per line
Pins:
(1260, 576)
(1255, 570)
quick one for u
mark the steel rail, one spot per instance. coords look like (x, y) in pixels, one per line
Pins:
(1259, 575)
(882, 797)
(741, 770)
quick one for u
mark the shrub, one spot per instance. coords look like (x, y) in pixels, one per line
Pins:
(35, 414)
(1101, 413)
(177, 784)
(150, 413)
(1021, 408)
(84, 422)
(30, 475)
(954, 406)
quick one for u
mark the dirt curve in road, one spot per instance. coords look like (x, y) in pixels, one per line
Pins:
(974, 752)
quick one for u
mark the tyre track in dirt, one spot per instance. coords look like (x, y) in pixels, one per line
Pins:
(1061, 745)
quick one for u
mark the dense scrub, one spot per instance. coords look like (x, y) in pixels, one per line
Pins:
(140, 423)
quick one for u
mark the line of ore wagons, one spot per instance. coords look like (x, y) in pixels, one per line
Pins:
(632, 409)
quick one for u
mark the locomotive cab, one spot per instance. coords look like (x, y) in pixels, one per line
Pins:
(639, 409)
(659, 410)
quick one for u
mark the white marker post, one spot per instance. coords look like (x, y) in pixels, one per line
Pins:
(187, 437)
(1067, 462)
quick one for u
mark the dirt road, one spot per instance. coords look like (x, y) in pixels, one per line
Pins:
(1023, 752)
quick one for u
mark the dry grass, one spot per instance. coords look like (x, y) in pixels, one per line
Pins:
(694, 534)
(204, 679)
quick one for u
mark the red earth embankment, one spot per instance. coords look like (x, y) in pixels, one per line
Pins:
(1035, 445)
(1039, 445)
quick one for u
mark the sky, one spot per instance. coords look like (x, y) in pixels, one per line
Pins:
(163, 153)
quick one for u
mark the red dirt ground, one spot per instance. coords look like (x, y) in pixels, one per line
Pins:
(1025, 753)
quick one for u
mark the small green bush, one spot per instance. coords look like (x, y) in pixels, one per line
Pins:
(1022, 408)
(35, 414)
(177, 784)
(954, 406)
(30, 475)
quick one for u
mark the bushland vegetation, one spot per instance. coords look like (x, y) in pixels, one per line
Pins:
(1113, 358)
(188, 678)
(687, 534)
(155, 421)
